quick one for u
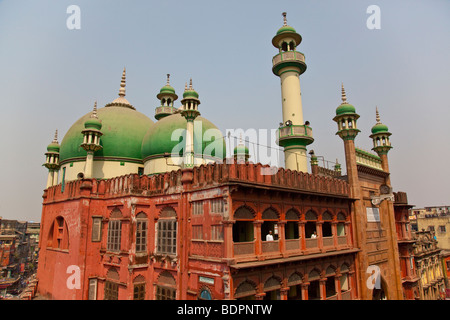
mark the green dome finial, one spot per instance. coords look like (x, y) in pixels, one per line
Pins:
(121, 101)
(54, 145)
(379, 127)
(344, 107)
(93, 122)
(190, 92)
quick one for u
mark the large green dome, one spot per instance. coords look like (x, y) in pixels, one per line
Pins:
(123, 129)
(158, 139)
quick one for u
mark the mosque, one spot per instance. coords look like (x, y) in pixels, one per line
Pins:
(141, 209)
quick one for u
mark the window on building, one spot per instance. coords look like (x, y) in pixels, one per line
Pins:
(96, 229)
(141, 233)
(243, 227)
(166, 287)
(217, 206)
(341, 224)
(111, 290)
(58, 236)
(139, 291)
(167, 232)
(217, 232)
(270, 218)
(442, 229)
(197, 208)
(326, 226)
(163, 293)
(114, 235)
(314, 285)
(291, 229)
(431, 228)
(197, 232)
(310, 226)
(92, 289)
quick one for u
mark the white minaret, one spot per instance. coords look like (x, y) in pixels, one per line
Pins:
(190, 111)
(91, 141)
(294, 134)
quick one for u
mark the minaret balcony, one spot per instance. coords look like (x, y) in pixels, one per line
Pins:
(164, 111)
(302, 133)
(288, 59)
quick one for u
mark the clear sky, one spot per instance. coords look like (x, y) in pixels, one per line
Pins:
(50, 76)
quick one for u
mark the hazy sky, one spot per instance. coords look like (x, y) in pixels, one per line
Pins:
(50, 76)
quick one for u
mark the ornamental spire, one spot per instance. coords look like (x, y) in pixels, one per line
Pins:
(94, 111)
(190, 84)
(55, 139)
(344, 96)
(122, 84)
(377, 115)
(284, 19)
(168, 78)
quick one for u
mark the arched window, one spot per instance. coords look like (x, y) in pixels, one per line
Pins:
(139, 288)
(269, 226)
(166, 232)
(114, 230)
(326, 226)
(243, 227)
(314, 285)
(272, 288)
(344, 279)
(294, 283)
(330, 284)
(205, 294)
(141, 232)
(58, 236)
(284, 46)
(341, 224)
(291, 230)
(246, 291)
(165, 287)
(310, 226)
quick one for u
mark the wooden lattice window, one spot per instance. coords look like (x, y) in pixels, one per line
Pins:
(111, 291)
(217, 205)
(92, 289)
(141, 232)
(139, 291)
(167, 232)
(114, 234)
(96, 229)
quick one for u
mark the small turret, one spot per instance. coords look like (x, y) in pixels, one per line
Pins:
(189, 111)
(380, 136)
(167, 96)
(52, 161)
(345, 118)
(91, 140)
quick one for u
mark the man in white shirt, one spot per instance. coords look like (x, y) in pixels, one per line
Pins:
(314, 235)
(269, 236)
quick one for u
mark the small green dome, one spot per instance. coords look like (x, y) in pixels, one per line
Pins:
(379, 127)
(123, 129)
(284, 29)
(345, 108)
(190, 94)
(93, 123)
(167, 90)
(241, 149)
(159, 139)
(53, 147)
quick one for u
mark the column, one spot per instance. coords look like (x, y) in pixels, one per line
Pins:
(319, 235)
(89, 165)
(305, 290)
(282, 237)
(257, 232)
(301, 232)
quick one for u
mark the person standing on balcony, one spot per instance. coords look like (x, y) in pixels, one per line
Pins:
(269, 236)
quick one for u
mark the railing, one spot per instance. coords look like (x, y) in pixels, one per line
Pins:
(159, 110)
(347, 295)
(292, 244)
(333, 297)
(270, 246)
(288, 56)
(328, 241)
(244, 248)
(311, 243)
(342, 240)
(295, 130)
